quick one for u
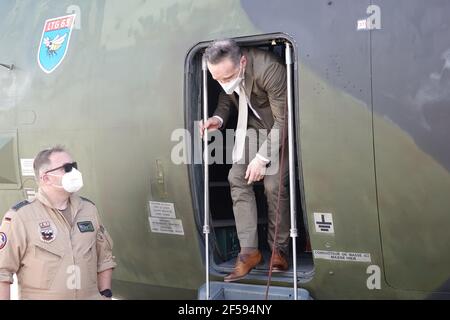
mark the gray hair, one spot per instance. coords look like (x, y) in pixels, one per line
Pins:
(221, 49)
(42, 160)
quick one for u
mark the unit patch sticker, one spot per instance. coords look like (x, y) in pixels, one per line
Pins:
(47, 231)
(342, 256)
(54, 42)
(323, 222)
(162, 209)
(169, 226)
(3, 240)
(85, 226)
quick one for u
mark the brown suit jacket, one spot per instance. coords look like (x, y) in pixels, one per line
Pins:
(265, 84)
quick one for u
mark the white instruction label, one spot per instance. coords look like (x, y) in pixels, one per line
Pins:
(27, 167)
(170, 226)
(342, 256)
(31, 194)
(362, 25)
(162, 209)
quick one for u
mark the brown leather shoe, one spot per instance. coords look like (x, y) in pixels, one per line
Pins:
(244, 264)
(279, 262)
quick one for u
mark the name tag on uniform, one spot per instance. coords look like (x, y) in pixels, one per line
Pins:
(85, 226)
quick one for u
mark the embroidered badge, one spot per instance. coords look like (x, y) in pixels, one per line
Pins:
(3, 240)
(54, 42)
(47, 231)
(85, 226)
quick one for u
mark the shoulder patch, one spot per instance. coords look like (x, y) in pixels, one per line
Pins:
(86, 199)
(20, 205)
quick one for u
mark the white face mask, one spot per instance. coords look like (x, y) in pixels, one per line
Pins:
(71, 181)
(230, 86)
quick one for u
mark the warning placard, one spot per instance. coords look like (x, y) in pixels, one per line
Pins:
(162, 209)
(342, 256)
(27, 167)
(169, 226)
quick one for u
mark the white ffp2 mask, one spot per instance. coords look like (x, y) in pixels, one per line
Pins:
(72, 181)
(230, 86)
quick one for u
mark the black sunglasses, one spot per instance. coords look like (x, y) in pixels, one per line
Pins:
(67, 167)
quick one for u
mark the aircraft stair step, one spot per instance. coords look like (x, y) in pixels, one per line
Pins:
(239, 291)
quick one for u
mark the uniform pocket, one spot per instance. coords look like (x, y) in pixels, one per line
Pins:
(41, 269)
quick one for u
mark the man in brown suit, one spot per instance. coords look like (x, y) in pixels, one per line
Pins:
(254, 81)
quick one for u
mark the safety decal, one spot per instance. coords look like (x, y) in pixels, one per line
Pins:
(323, 222)
(54, 42)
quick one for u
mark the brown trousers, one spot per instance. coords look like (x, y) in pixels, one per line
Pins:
(244, 202)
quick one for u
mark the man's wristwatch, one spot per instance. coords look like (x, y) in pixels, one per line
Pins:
(106, 293)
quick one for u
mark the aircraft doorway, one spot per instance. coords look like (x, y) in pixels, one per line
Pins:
(224, 242)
